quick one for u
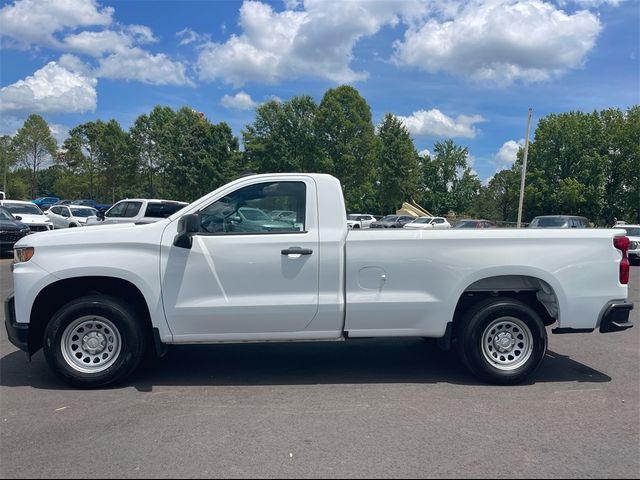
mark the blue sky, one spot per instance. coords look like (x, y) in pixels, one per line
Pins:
(468, 70)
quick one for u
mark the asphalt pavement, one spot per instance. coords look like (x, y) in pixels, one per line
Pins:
(368, 408)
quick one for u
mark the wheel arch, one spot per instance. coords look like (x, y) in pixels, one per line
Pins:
(540, 292)
(57, 294)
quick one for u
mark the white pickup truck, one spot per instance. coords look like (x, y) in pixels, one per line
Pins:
(97, 299)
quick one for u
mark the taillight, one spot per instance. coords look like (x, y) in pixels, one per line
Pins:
(622, 244)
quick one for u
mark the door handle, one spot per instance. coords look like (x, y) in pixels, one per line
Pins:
(297, 251)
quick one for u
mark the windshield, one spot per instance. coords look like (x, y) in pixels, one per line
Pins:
(548, 222)
(389, 218)
(353, 217)
(423, 220)
(23, 209)
(5, 215)
(83, 212)
(254, 214)
(631, 231)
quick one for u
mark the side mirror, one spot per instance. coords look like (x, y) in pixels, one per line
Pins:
(100, 215)
(187, 227)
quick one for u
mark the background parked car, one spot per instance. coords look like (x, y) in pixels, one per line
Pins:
(138, 210)
(392, 221)
(69, 216)
(633, 232)
(29, 213)
(359, 220)
(559, 221)
(429, 223)
(45, 202)
(101, 207)
(11, 230)
(470, 223)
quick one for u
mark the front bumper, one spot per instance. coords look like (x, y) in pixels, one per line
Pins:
(616, 318)
(18, 332)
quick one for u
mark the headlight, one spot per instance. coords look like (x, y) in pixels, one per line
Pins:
(23, 254)
(634, 245)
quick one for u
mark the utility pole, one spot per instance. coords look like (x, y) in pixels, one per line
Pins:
(524, 170)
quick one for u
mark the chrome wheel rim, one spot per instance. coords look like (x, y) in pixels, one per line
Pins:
(91, 344)
(507, 343)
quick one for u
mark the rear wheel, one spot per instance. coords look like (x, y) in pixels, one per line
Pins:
(94, 341)
(502, 341)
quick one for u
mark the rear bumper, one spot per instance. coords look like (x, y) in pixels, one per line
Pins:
(616, 317)
(18, 332)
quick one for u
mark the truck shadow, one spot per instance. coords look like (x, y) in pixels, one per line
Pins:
(355, 362)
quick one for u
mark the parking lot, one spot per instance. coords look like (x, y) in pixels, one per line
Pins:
(367, 408)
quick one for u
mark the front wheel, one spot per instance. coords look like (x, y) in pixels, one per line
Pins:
(94, 341)
(502, 341)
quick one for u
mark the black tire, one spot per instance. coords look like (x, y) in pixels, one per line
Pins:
(356, 226)
(471, 347)
(129, 327)
(72, 225)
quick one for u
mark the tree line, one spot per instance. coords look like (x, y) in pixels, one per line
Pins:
(579, 163)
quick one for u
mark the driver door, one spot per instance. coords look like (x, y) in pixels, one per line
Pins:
(246, 273)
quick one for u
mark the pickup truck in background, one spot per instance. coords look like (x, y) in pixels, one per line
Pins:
(139, 211)
(95, 299)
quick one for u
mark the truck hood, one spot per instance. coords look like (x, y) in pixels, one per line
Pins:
(113, 233)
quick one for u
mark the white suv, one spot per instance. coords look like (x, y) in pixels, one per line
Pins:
(69, 216)
(138, 211)
(633, 232)
(357, 220)
(429, 223)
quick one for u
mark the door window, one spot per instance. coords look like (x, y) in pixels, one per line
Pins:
(117, 210)
(246, 210)
(132, 209)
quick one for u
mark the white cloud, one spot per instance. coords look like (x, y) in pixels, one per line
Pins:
(424, 153)
(501, 41)
(52, 89)
(434, 123)
(507, 154)
(240, 101)
(35, 21)
(143, 66)
(97, 44)
(141, 34)
(317, 41)
(60, 132)
(189, 36)
(594, 3)
(74, 64)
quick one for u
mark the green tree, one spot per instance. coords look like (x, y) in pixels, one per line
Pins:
(398, 167)
(282, 138)
(448, 183)
(7, 158)
(201, 156)
(114, 159)
(80, 158)
(33, 144)
(151, 137)
(346, 137)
